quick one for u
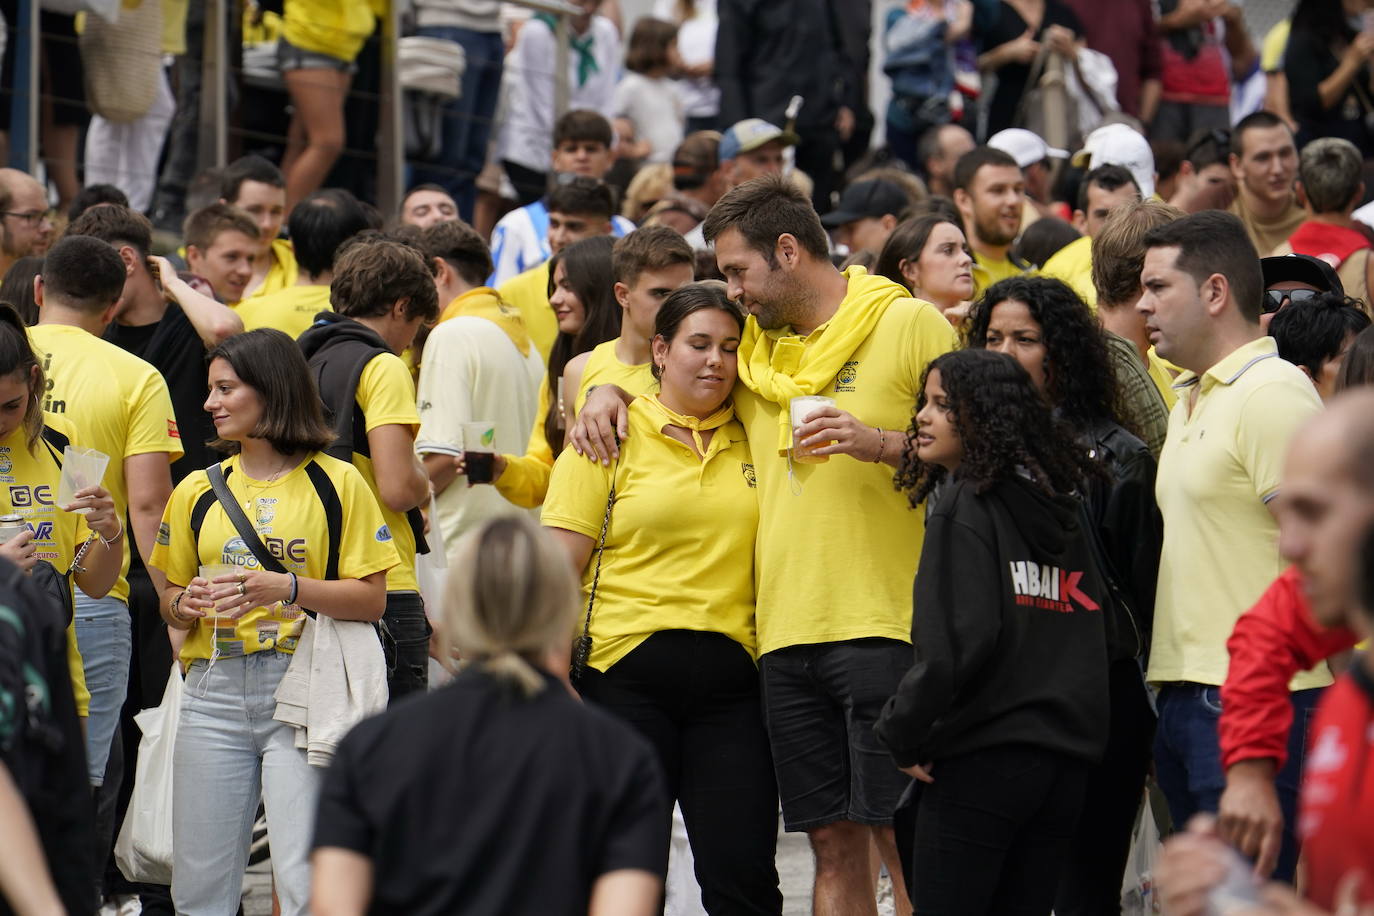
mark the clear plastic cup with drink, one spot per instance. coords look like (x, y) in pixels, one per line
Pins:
(81, 468)
(213, 619)
(479, 451)
(802, 409)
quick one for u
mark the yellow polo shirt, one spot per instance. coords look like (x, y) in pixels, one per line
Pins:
(680, 546)
(987, 272)
(1220, 465)
(116, 403)
(529, 292)
(1159, 367)
(837, 545)
(291, 310)
(526, 478)
(386, 395)
(283, 272)
(1074, 265)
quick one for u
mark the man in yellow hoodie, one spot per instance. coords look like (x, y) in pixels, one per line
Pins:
(837, 546)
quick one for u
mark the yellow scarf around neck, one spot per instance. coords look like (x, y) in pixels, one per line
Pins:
(695, 425)
(485, 302)
(781, 366)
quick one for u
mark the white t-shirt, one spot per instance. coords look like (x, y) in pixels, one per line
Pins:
(655, 108)
(472, 371)
(696, 44)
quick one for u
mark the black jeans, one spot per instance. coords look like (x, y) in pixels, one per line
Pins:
(406, 640)
(1090, 883)
(695, 696)
(992, 831)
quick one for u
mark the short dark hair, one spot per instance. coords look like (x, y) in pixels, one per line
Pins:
(648, 248)
(248, 168)
(1256, 120)
(1358, 367)
(649, 43)
(271, 363)
(1042, 239)
(1330, 170)
(685, 300)
(906, 243)
(321, 223)
(374, 273)
(425, 186)
(966, 169)
(584, 196)
(1118, 251)
(1208, 146)
(1310, 332)
(764, 208)
(83, 273)
(93, 194)
(1108, 178)
(582, 124)
(16, 289)
(461, 247)
(1214, 242)
(17, 357)
(117, 225)
(203, 226)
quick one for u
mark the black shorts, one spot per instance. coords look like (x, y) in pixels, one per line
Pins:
(819, 704)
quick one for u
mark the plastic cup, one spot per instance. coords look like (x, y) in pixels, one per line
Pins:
(802, 408)
(213, 618)
(479, 451)
(81, 468)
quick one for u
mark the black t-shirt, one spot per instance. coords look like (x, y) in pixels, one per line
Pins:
(1012, 77)
(472, 799)
(174, 348)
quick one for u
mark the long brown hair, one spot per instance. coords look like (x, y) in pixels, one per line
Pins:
(17, 356)
(587, 265)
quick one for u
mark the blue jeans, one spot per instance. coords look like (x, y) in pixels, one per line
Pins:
(468, 118)
(1188, 759)
(104, 636)
(229, 752)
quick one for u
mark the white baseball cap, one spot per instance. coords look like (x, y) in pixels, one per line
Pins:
(1025, 146)
(1119, 144)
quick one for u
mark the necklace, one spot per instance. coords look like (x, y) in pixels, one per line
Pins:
(250, 485)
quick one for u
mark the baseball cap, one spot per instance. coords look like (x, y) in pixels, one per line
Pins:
(1118, 144)
(1026, 147)
(1301, 268)
(872, 198)
(750, 134)
(695, 158)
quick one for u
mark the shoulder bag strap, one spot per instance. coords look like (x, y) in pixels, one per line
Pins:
(240, 521)
(1032, 83)
(333, 515)
(582, 649)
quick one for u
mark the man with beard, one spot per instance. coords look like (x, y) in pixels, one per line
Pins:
(25, 218)
(990, 193)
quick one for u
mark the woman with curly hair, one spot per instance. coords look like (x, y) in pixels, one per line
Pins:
(1046, 327)
(1005, 709)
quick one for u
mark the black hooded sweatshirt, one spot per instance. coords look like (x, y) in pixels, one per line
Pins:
(1007, 628)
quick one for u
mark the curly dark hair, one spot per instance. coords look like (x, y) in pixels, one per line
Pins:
(1079, 376)
(1005, 426)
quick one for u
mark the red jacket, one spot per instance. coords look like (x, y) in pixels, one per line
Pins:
(1274, 640)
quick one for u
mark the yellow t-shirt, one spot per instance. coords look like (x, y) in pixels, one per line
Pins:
(385, 395)
(1219, 467)
(1074, 265)
(987, 272)
(289, 517)
(1164, 380)
(334, 27)
(526, 478)
(529, 292)
(116, 404)
(291, 310)
(174, 26)
(838, 546)
(680, 545)
(283, 272)
(1274, 46)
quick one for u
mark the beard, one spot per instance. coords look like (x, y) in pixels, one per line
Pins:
(990, 230)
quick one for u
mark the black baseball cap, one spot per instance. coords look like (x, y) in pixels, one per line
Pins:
(1301, 268)
(867, 199)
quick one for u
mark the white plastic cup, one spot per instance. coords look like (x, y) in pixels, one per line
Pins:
(479, 451)
(81, 468)
(209, 572)
(802, 408)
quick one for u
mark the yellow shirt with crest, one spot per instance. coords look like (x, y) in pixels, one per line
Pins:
(680, 546)
(289, 518)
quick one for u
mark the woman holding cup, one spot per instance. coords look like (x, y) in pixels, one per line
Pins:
(679, 663)
(317, 518)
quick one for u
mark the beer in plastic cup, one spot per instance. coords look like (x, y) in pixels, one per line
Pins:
(479, 451)
(81, 468)
(213, 619)
(802, 408)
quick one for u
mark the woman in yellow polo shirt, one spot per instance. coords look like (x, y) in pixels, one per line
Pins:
(317, 517)
(671, 617)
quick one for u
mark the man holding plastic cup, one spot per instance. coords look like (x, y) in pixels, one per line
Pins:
(834, 605)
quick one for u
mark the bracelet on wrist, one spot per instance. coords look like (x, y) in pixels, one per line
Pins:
(109, 542)
(176, 606)
(882, 439)
(295, 589)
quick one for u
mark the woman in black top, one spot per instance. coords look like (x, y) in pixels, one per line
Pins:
(1005, 708)
(1327, 65)
(1043, 325)
(1020, 28)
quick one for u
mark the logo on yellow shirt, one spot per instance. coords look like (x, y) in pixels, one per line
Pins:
(6, 463)
(749, 476)
(848, 374)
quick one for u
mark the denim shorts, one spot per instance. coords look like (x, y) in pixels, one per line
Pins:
(290, 57)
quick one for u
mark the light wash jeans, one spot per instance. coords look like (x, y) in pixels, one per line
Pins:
(229, 752)
(103, 634)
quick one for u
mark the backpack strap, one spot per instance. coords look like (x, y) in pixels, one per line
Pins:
(333, 515)
(220, 487)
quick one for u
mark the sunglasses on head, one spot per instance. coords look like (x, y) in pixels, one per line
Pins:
(1275, 298)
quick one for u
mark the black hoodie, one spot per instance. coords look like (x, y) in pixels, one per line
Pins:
(1007, 628)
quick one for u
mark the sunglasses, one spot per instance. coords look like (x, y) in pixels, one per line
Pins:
(1274, 299)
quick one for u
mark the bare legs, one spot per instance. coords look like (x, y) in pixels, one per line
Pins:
(316, 136)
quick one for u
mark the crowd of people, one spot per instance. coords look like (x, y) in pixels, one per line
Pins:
(678, 462)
